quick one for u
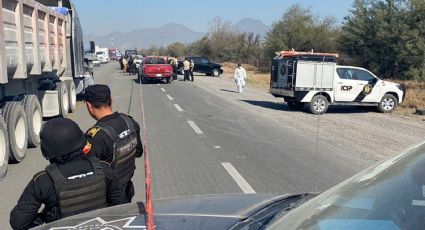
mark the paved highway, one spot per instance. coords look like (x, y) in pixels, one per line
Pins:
(200, 143)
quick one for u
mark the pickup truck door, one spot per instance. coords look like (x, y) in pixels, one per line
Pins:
(346, 85)
(204, 65)
(370, 86)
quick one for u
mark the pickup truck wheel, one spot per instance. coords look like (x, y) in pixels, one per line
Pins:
(144, 81)
(4, 149)
(34, 114)
(388, 103)
(16, 123)
(215, 73)
(319, 104)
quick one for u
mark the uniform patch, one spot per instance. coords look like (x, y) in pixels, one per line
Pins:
(92, 132)
(87, 148)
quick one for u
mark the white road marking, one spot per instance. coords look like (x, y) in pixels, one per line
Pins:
(243, 184)
(162, 89)
(178, 107)
(195, 127)
(170, 98)
(217, 147)
(158, 84)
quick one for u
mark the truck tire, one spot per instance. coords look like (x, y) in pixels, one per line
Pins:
(4, 149)
(72, 96)
(63, 98)
(34, 115)
(16, 123)
(319, 104)
(215, 73)
(388, 103)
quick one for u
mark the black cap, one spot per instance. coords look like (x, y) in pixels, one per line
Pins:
(100, 94)
(60, 137)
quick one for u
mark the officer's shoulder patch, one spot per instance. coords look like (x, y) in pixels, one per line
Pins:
(92, 132)
(87, 148)
(37, 175)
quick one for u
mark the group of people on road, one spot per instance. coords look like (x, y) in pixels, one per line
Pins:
(188, 67)
(87, 171)
(128, 64)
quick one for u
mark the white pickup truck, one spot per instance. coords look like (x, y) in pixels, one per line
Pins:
(315, 80)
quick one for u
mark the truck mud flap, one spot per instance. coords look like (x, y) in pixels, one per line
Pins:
(50, 102)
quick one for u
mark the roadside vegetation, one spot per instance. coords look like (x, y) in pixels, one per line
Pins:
(384, 36)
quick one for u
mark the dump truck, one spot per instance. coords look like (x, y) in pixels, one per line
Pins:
(41, 70)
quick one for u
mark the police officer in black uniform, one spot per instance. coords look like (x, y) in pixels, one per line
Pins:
(115, 138)
(71, 184)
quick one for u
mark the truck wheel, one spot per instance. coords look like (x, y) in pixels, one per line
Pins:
(63, 98)
(34, 114)
(215, 73)
(4, 149)
(16, 123)
(388, 103)
(319, 104)
(72, 96)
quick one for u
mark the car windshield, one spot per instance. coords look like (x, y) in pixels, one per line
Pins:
(155, 61)
(388, 196)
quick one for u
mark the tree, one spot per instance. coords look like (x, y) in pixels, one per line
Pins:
(176, 49)
(387, 37)
(299, 29)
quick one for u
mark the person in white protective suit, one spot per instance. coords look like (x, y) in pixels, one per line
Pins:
(240, 78)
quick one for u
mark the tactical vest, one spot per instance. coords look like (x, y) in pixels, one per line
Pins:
(124, 149)
(80, 193)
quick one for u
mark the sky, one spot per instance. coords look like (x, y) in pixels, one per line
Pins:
(101, 17)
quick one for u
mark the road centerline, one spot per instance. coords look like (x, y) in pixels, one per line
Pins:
(195, 127)
(162, 89)
(237, 177)
(178, 107)
(170, 98)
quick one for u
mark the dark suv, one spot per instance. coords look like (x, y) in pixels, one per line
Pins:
(203, 65)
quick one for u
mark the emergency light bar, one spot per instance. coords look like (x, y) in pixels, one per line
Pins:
(292, 53)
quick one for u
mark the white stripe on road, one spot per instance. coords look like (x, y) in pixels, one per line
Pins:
(243, 184)
(170, 98)
(178, 107)
(162, 89)
(195, 127)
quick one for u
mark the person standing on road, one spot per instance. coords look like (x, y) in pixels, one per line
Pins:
(125, 64)
(115, 138)
(240, 78)
(186, 69)
(192, 66)
(73, 183)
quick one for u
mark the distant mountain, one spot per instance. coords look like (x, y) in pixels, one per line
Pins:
(168, 34)
(147, 37)
(251, 25)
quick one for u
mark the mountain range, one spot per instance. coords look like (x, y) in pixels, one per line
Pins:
(167, 34)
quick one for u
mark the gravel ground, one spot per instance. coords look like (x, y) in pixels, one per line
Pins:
(361, 131)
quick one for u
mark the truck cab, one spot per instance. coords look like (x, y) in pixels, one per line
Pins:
(315, 79)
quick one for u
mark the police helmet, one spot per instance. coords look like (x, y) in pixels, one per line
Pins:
(60, 137)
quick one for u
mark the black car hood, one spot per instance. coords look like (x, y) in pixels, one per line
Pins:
(197, 212)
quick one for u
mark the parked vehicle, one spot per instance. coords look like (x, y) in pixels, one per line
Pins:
(102, 55)
(127, 53)
(113, 54)
(388, 195)
(203, 65)
(39, 75)
(155, 68)
(315, 80)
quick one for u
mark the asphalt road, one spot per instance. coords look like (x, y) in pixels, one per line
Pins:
(200, 143)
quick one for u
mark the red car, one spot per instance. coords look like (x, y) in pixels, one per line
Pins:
(155, 68)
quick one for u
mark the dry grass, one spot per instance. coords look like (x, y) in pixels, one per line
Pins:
(415, 97)
(415, 91)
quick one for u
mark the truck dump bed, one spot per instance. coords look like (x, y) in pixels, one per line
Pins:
(32, 40)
